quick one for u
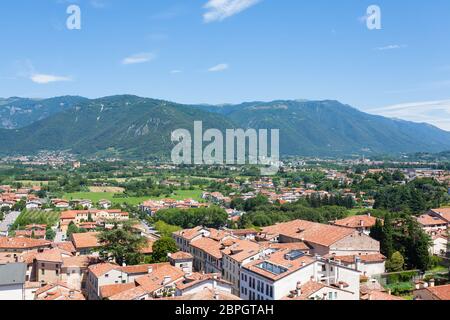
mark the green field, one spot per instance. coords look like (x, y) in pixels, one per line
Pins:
(36, 217)
(96, 196)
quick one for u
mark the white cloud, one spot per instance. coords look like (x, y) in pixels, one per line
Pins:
(391, 47)
(47, 78)
(139, 58)
(219, 67)
(219, 10)
(175, 71)
(433, 112)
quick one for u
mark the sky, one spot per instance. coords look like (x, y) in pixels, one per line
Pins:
(231, 51)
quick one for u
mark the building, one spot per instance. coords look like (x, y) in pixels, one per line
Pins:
(86, 243)
(429, 291)
(182, 260)
(368, 264)
(58, 291)
(193, 283)
(359, 223)
(20, 245)
(323, 239)
(12, 281)
(284, 273)
(432, 223)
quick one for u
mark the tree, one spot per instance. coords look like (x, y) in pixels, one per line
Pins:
(396, 262)
(121, 244)
(50, 234)
(71, 229)
(162, 248)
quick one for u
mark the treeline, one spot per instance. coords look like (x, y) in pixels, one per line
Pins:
(261, 213)
(212, 217)
(404, 242)
(415, 197)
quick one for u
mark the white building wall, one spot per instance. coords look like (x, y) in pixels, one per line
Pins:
(12, 292)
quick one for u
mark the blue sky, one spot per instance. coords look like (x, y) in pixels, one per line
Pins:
(229, 51)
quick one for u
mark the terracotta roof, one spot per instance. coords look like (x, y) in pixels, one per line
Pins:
(366, 258)
(357, 222)
(85, 240)
(189, 234)
(380, 295)
(113, 289)
(242, 249)
(58, 291)
(148, 247)
(430, 220)
(141, 268)
(195, 279)
(443, 212)
(101, 268)
(180, 255)
(66, 246)
(208, 245)
(52, 255)
(321, 234)
(207, 294)
(130, 294)
(78, 262)
(278, 259)
(154, 280)
(440, 292)
(23, 243)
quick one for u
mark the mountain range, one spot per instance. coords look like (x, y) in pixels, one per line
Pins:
(140, 128)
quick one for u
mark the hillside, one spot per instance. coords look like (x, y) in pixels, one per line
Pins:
(20, 112)
(135, 127)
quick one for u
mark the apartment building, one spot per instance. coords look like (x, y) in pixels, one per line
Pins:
(286, 274)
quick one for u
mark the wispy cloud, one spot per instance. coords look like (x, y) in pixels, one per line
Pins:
(139, 58)
(433, 112)
(218, 10)
(220, 67)
(47, 78)
(175, 71)
(391, 47)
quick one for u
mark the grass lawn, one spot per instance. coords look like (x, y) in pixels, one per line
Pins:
(96, 196)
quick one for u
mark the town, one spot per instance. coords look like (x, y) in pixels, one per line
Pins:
(320, 229)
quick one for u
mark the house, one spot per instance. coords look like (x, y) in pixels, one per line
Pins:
(36, 231)
(193, 283)
(104, 204)
(19, 245)
(205, 294)
(86, 243)
(113, 282)
(238, 253)
(443, 213)
(58, 291)
(48, 265)
(432, 223)
(33, 204)
(61, 204)
(368, 264)
(287, 273)
(323, 239)
(429, 291)
(182, 260)
(313, 290)
(12, 281)
(360, 223)
(439, 246)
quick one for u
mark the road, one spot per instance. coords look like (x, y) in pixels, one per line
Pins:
(10, 218)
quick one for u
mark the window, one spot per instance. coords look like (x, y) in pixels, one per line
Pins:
(330, 295)
(106, 275)
(43, 271)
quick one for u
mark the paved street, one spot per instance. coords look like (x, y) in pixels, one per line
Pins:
(10, 218)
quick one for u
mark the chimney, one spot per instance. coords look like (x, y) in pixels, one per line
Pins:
(150, 269)
(216, 295)
(361, 223)
(357, 262)
(432, 283)
(299, 289)
(71, 293)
